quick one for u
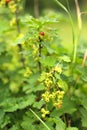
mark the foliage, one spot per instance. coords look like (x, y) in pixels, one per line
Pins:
(40, 87)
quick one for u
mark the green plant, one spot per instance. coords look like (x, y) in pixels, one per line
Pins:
(38, 90)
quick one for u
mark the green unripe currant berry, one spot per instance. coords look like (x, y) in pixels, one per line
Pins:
(43, 115)
(14, 88)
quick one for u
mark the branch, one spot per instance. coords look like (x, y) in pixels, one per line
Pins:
(39, 49)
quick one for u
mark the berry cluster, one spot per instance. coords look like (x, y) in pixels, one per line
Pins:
(27, 72)
(44, 112)
(35, 50)
(12, 5)
(56, 97)
(4, 2)
(52, 91)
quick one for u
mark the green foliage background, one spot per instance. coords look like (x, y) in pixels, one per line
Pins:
(20, 89)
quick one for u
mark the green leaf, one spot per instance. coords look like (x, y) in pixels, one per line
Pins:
(83, 117)
(3, 26)
(39, 104)
(28, 119)
(63, 85)
(71, 128)
(65, 58)
(79, 69)
(27, 124)
(49, 49)
(13, 104)
(5, 121)
(60, 125)
(26, 101)
(2, 113)
(68, 106)
(10, 105)
(84, 102)
(5, 59)
(84, 77)
(39, 88)
(48, 61)
(14, 127)
(42, 76)
(83, 72)
(2, 47)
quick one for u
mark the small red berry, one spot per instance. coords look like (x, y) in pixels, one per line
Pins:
(7, 1)
(42, 33)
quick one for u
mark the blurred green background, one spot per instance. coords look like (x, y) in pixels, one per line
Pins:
(65, 31)
(47, 6)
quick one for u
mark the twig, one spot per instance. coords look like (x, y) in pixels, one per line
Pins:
(83, 13)
(84, 59)
(39, 49)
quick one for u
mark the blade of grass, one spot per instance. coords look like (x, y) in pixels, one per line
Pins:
(79, 29)
(61, 5)
(72, 25)
(73, 32)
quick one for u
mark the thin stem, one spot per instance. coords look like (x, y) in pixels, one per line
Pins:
(79, 26)
(73, 32)
(64, 118)
(40, 119)
(69, 123)
(62, 6)
(17, 21)
(68, 5)
(83, 13)
(75, 50)
(39, 49)
(78, 14)
(84, 59)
